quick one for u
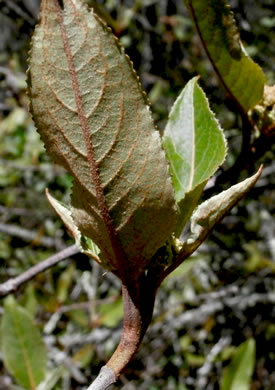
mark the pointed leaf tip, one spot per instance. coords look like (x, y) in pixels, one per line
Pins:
(193, 140)
(64, 212)
(210, 212)
(195, 146)
(86, 245)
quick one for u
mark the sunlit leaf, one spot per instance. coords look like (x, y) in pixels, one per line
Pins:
(93, 118)
(210, 212)
(24, 353)
(195, 147)
(241, 77)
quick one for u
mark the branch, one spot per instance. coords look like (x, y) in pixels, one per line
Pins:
(105, 378)
(29, 235)
(13, 284)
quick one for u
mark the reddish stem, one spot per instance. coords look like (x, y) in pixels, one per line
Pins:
(138, 302)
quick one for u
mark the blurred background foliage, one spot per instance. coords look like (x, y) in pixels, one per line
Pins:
(216, 304)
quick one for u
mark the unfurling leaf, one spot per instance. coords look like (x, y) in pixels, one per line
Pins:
(237, 376)
(24, 353)
(241, 76)
(92, 115)
(87, 246)
(195, 147)
(210, 212)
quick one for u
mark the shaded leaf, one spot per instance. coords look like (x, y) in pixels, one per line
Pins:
(210, 212)
(24, 353)
(241, 76)
(84, 356)
(64, 284)
(111, 313)
(195, 147)
(51, 379)
(237, 376)
(92, 115)
(86, 245)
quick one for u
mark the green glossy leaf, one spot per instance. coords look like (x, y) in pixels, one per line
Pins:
(241, 76)
(92, 115)
(210, 212)
(24, 353)
(195, 147)
(237, 376)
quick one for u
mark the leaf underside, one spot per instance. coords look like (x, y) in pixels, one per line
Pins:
(93, 118)
(241, 76)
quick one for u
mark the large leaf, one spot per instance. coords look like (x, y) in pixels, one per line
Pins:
(195, 147)
(92, 115)
(210, 212)
(237, 376)
(24, 353)
(241, 77)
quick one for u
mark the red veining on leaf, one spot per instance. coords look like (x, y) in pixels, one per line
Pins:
(93, 120)
(100, 197)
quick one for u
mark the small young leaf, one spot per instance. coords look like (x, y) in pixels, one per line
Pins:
(92, 115)
(86, 245)
(241, 77)
(24, 353)
(65, 213)
(237, 376)
(210, 212)
(195, 147)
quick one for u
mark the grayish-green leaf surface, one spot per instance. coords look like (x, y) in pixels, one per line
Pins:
(195, 146)
(24, 353)
(241, 76)
(93, 118)
(237, 376)
(65, 213)
(210, 212)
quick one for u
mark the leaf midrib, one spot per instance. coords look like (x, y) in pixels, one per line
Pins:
(24, 349)
(99, 192)
(192, 164)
